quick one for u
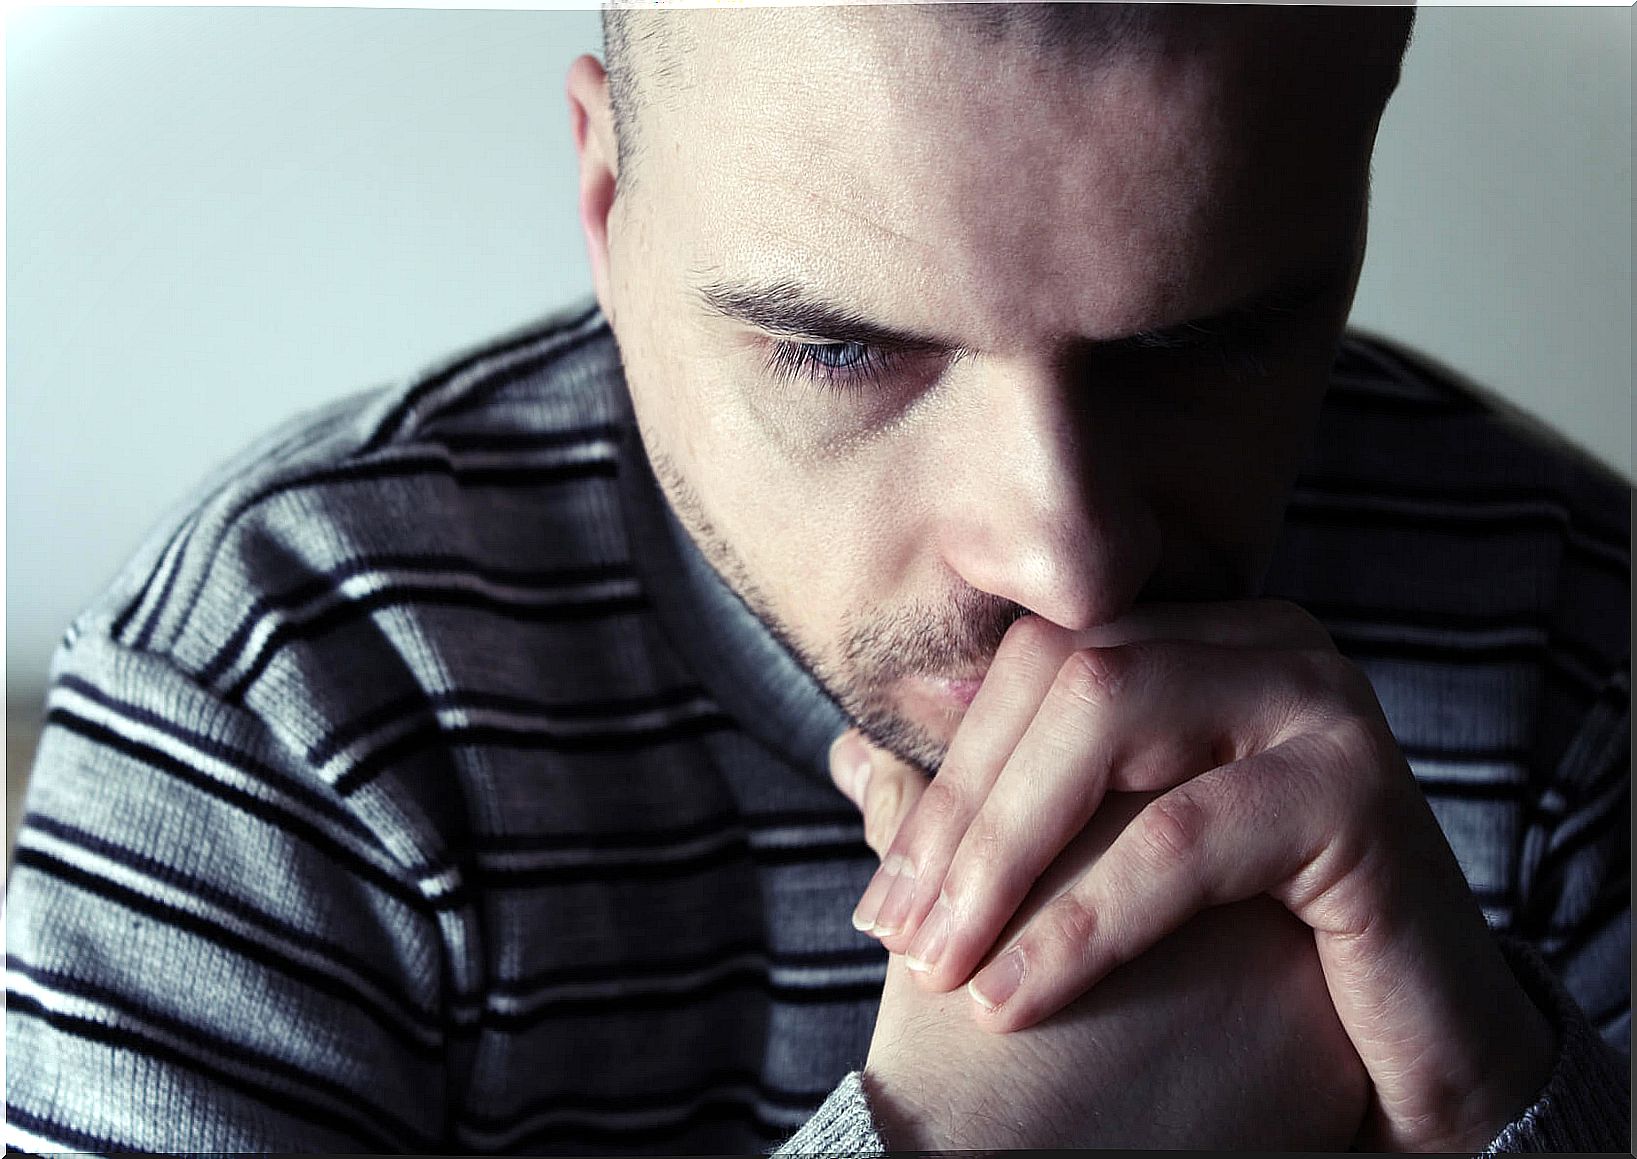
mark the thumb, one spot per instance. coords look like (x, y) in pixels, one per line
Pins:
(883, 787)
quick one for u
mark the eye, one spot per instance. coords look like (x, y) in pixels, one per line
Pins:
(1241, 354)
(1242, 361)
(838, 355)
(832, 365)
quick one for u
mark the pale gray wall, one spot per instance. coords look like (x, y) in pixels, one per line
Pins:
(1500, 231)
(219, 216)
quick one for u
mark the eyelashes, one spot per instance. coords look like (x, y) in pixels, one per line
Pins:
(1241, 361)
(1206, 356)
(841, 366)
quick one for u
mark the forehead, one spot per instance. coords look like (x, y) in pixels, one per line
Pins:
(891, 160)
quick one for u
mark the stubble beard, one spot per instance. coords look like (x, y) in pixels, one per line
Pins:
(874, 651)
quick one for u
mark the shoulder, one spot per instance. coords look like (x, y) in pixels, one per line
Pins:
(1429, 496)
(1473, 561)
(1476, 566)
(1453, 434)
(334, 565)
(349, 480)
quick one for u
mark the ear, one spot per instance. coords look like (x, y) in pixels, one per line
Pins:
(591, 119)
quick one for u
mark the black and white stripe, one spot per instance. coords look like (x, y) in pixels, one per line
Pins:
(526, 863)
(468, 460)
(459, 721)
(95, 1014)
(241, 782)
(616, 716)
(668, 855)
(643, 1117)
(367, 585)
(479, 373)
(1457, 511)
(144, 890)
(625, 989)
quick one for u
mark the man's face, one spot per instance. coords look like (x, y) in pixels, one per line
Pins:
(924, 334)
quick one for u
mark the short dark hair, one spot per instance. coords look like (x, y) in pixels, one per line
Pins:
(642, 47)
(642, 51)
(619, 29)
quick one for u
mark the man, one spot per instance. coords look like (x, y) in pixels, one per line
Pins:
(453, 776)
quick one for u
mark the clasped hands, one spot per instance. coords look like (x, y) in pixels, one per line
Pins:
(1268, 769)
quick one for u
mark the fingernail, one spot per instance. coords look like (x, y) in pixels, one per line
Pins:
(929, 943)
(999, 981)
(875, 893)
(850, 765)
(895, 910)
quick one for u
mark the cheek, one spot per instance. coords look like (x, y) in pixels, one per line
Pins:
(820, 541)
(812, 533)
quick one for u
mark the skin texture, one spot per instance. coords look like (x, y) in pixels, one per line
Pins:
(1270, 772)
(1151, 1032)
(895, 530)
(1055, 457)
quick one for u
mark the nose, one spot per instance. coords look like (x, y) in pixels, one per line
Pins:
(1042, 504)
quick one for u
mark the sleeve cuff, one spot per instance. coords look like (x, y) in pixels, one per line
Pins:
(1586, 1104)
(843, 1126)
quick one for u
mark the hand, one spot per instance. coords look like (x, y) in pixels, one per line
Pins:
(1274, 772)
(1221, 1036)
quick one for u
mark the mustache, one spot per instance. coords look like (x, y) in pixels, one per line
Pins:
(956, 639)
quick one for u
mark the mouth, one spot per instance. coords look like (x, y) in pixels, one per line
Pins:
(947, 692)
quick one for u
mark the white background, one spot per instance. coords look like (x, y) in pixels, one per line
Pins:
(217, 217)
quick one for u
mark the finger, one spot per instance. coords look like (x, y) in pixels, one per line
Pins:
(1268, 824)
(1259, 623)
(883, 787)
(890, 792)
(1025, 666)
(850, 765)
(1046, 793)
(1135, 718)
(1025, 663)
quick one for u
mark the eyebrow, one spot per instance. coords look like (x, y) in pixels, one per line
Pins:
(790, 310)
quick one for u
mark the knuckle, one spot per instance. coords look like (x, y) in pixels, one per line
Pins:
(981, 867)
(1350, 736)
(1331, 673)
(1290, 620)
(967, 884)
(942, 805)
(884, 793)
(876, 837)
(1095, 676)
(1065, 937)
(1029, 636)
(1170, 830)
(1352, 743)
(984, 841)
(962, 881)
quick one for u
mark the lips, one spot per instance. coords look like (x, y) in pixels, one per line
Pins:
(958, 690)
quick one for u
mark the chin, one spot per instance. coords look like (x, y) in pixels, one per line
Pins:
(918, 734)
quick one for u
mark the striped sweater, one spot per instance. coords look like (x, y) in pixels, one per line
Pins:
(418, 787)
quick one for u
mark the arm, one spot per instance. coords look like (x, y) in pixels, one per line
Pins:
(206, 950)
(1304, 797)
(1572, 947)
(1221, 1035)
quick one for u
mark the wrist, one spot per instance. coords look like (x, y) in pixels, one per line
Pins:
(898, 1121)
(1522, 1067)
